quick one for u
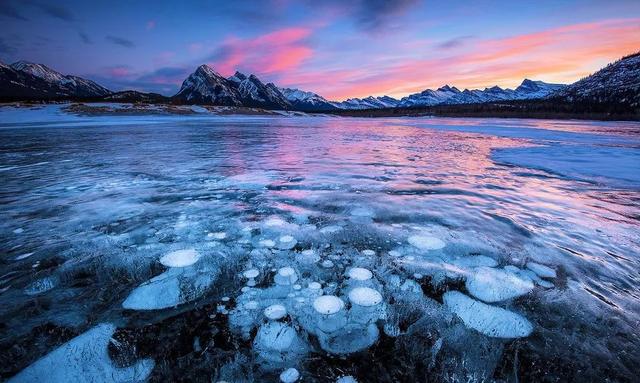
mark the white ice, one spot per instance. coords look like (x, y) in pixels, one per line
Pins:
(489, 320)
(180, 258)
(84, 359)
(494, 285)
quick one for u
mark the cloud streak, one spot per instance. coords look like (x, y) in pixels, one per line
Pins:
(120, 41)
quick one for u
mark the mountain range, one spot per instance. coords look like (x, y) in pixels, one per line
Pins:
(618, 82)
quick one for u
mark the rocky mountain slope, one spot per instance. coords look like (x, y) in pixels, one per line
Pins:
(25, 80)
(206, 86)
(617, 83)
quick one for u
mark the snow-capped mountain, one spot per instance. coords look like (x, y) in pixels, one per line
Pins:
(71, 85)
(25, 80)
(206, 86)
(255, 93)
(367, 103)
(617, 83)
(306, 101)
(451, 95)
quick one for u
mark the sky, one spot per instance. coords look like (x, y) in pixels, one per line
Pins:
(336, 48)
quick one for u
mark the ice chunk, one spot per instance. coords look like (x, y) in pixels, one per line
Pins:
(424, 242)
(359, 274)
(542, 270)
(275, 312)
(489, 320)
(180, 258)
(290, 375)
(545, 284)
(494, 285)
(346, 379)
(84, 359)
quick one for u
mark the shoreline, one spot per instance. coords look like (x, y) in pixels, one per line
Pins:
(502, 111)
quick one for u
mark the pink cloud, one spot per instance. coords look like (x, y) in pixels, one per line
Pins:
(118, 72)
(272, 53)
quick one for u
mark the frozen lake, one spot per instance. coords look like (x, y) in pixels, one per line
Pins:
(235, 248)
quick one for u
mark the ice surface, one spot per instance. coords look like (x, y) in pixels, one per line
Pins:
(180, 258)
(84, 359)
(489, 320)
(494, 285)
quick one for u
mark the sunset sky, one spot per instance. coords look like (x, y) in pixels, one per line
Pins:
(337, 49)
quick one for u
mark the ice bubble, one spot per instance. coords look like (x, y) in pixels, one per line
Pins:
(297, 287)
(489, 320)
(307, 257)
(349, 339)
(286, 276)
(545, 284)
(394, 253)
(290, 375)
(40, 286)
(251, 273)
(275, 222)
(180, 258)
(84, 358)
(278, 342)
(169, 289)
(327, 264)
(411, 286)
(365, 296)
(251, 305)
(18, 231)
(275, 312)
(542, 270)
(475, 261)
(225, 299)
(346, 379)
(217, 235)
(328, 304)
(286, 242)
(494, 285)
(315, 286)
(267, 243)
(368, 252)
(359, 274)
(423, 242)
(332, 229)
(512, 268)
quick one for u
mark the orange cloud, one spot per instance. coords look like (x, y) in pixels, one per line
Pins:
(562, 54)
